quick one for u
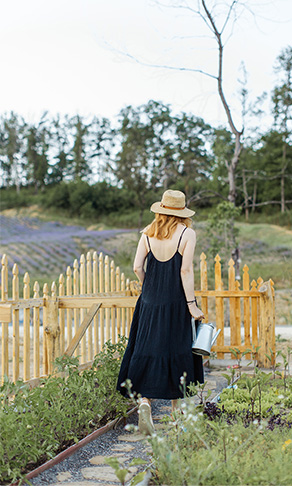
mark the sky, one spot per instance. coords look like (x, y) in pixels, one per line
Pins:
(93, 57)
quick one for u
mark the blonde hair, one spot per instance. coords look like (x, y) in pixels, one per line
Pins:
(164, 225)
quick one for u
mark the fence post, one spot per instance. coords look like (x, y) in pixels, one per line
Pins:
(204, 284)
(4, 297)
(26, 329)
(15, 323)
(246, 309)
(267, 326)
(52, 330)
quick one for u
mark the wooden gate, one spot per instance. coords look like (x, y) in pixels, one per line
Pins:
(37, 328)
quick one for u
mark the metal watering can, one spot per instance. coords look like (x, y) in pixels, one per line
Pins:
(203, 339)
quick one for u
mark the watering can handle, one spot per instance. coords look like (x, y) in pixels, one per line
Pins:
(194, 329)
(215, 337)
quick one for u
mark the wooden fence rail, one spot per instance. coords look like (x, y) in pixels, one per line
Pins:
(38, 326)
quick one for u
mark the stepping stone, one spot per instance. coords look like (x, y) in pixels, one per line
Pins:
(97, 460)
(123, 447)
(102, 473)
(160, 426)
(63, 476)
(158, 417)
(80, 483)
(105, 473)
(132, 437)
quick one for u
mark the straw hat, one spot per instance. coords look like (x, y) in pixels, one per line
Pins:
(173, 203)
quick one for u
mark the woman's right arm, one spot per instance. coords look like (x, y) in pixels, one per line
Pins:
(140, 257)
(187, 274)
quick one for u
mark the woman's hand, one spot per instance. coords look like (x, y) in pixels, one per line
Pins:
(196, 312)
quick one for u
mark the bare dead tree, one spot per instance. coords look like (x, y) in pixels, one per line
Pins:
(209, 19)
(232, 164)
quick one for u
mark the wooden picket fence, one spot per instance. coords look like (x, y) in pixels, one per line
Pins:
(38, 328)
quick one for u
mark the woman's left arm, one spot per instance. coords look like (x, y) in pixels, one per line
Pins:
(140, 257)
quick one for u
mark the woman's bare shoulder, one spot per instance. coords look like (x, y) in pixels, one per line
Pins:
(190, 234)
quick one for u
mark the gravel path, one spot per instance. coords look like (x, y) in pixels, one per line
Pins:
(86, 467)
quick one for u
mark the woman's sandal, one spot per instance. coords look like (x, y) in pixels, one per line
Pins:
(145, 423)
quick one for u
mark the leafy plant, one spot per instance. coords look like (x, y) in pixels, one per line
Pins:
(213, 447)
(37, 423)
(121, 472)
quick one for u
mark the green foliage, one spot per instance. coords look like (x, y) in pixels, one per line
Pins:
(196, 450)
(37, 423)
(261, 395)
(222, 232)
(121, 472)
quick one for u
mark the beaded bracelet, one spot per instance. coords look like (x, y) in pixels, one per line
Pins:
(191, 301)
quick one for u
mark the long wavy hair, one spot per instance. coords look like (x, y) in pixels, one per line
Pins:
(163, 226)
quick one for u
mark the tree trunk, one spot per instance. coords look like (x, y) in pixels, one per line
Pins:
(282, 192)
(231, 166)
(254, 197)
(245, 195)
(283, 179)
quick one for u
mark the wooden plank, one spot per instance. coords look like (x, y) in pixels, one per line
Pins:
(107, 289)
(237, 315)
(95, 290)
(15, 324)
(226, 349)
(82, 311)
(36, 333)
(30, 303)
(69, 314)
(76, 302)
(26, 330)
(113, 312)
(4, 297)
(123, 287)
(89, 291)
(128, 314)
(232, 308)
(266, 325)
(45, 347)
(75, 292)
(101, 289)
(219, 305)
(5, 313)
(204, 285)
(82, 329)
(273, 329)
(254, 316)
(62, 314)
(246, 310)
(118, 288)
(52, 328)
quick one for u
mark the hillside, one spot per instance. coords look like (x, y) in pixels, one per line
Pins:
(45, 249)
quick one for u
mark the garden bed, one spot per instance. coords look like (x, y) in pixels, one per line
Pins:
(38, 424)
(243, 439)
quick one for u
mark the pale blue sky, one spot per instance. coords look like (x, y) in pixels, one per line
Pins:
(61, 56)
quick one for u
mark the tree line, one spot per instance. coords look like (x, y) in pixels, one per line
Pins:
(148, 149)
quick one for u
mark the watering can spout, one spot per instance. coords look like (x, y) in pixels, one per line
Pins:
(215, 337)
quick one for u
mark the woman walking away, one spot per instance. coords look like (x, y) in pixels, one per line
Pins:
(159, 347)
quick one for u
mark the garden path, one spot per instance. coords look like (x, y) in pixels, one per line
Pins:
(87, 467)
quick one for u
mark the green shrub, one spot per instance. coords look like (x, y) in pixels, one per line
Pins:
(192, 450)
(37, 423)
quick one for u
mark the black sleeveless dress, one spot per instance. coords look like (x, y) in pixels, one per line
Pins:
(159, 346)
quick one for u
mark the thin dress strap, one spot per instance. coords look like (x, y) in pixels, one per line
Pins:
(180, 238)
(147, 238)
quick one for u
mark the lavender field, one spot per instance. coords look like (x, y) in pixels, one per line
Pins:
(45, 249)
